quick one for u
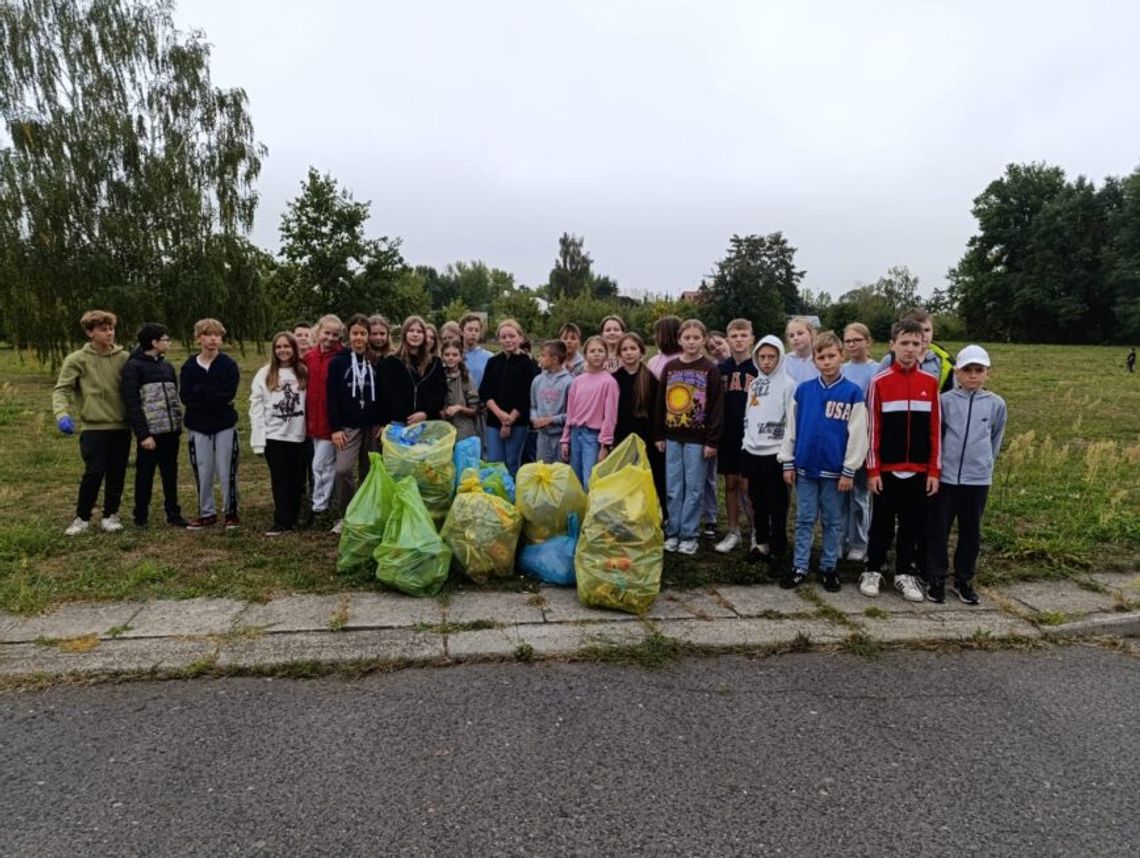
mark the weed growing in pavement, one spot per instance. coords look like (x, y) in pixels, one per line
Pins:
(524, 652)
(453, 628)
(116, 631)
(1050, 618)
(862, 644)
(339, 618)
(824, 609)
(876, 613)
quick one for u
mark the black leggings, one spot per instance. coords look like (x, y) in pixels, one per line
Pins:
(288, 469)
(769, 495)
(105, 453)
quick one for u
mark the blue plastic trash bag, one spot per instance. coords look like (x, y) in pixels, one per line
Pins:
(552, 561)
(467, 455)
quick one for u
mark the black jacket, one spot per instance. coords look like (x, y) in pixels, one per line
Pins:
(406, 391)
(209, 394)
(507, 380)
(150, 393)
(354, 406)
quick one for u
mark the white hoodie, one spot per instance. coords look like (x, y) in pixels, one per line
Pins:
(769, 403)
(277, 415)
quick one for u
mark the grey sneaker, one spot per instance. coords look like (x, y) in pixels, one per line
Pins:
(671, 544)
(111, 524)
(77, 527)
(908, 586)
(730, 542)
(687, 546)
(869, 583)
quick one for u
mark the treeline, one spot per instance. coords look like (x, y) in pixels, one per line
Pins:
(127, 182)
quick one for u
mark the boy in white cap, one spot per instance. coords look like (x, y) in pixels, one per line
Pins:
(973, 422)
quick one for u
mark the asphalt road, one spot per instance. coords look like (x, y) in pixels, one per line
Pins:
(1003, 753)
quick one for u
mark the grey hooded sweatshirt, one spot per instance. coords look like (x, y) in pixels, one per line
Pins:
(973, 423)
(769, 403)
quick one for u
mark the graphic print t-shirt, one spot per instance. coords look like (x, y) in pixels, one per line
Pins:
(690, 404)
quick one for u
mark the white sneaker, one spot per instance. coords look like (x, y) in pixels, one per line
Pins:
(77, 527)
(111, 524)
(729, 543)
(671, 544)
(857, 555)
(908, 586)
(687, 546)
(869, 583)
(336, 527)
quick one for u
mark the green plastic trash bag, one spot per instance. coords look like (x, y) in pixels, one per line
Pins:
(364, 520)
(411, 557)
(620, 549)
(482, 530)
(424, 451)
(546, 495)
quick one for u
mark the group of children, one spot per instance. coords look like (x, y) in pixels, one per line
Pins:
(839, 432)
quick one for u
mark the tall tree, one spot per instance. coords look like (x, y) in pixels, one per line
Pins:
(757, 280)
(572, 272)
(118, 158)
(1122, 260)
(335, 268)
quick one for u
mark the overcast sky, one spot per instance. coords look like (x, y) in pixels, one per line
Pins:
(483, 130)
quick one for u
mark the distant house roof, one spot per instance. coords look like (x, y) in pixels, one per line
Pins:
(692, 295)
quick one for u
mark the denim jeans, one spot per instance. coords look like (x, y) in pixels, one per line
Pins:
(857, 512)
(506, 450)
(709, 505)
(583, 452)
(685, 483)
(818, 498)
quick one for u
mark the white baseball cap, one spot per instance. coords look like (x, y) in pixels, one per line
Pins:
(972, 354)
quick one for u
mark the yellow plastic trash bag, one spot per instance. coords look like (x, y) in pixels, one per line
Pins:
(411, 557)
(482, 530)
(424, 451)
(620, 550)
(546, 495)
(364, 520)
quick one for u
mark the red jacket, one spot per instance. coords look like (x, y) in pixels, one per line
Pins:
(905, 420)
(316, 401)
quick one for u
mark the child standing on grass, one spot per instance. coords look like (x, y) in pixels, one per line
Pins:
(765, 421)
(737, 373)
(571, 336)
(825, 444)
(591, 413)
(303, 334)
(613, 329)
(904, 460)
(859, 368)
(475, 357)
(800, 365)
(505, 394)
(973, 423)
(461, 407)
(379, 337)
(548, 394)
(637, 401)
(687, 428)
(665, 333)
(209, 383)
(88, 387)
(323, 461)
(277, 428)
(150, 394)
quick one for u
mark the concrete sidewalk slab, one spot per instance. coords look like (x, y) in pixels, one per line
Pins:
(391, 611)
(751, 632)
(8, 622)
(1126, 624)
(394, 646)
(483, 643)
(950, 626)
(185, 618)
(748, 601)
(568, 638)
(505, 608)
(72, 621)
(115, 656)
(1060, 596)
(851, 601)
(294, 614)
(1126, 583)
(687, 605)
(561, 605)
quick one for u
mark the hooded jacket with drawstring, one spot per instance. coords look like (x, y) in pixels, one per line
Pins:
(769, 402)
(89, 388)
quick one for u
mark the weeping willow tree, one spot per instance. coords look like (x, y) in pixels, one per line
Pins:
(126, 177)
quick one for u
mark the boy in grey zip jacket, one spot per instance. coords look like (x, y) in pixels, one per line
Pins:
(973, 423)
(548, 394)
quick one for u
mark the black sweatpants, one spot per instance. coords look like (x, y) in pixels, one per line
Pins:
(769, 495)
(105, 454)
(906, 502)
(966, 504)
(164, 457)
(288, 466)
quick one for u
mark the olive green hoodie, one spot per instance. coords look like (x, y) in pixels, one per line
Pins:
(89, 382)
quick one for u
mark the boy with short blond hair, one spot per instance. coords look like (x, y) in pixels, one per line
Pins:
(548, 394)
(737, 372)
(825, 444)
(209, 383)
(88, 388)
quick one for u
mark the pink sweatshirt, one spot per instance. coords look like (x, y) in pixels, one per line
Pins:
(592, 402)
(657, 363)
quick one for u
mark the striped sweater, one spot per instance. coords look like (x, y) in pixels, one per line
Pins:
(905, 422)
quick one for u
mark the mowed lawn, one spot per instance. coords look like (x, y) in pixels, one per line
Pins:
(1065, 500)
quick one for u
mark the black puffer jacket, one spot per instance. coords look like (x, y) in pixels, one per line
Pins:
(150, 393)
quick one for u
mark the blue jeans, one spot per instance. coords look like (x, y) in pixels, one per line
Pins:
(857, 506)
(818, 498)
(709, 506)
(508, 451)
(583, 452)
(684, 484)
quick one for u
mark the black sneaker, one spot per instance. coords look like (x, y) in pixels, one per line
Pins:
(708, 531)
(793, 578)
(936, 592)
(177, 521)
(831, 581)
(966, 592)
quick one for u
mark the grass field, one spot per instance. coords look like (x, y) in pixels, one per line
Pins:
(1066, 498)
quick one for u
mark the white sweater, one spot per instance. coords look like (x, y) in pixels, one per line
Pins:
(277, 415)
